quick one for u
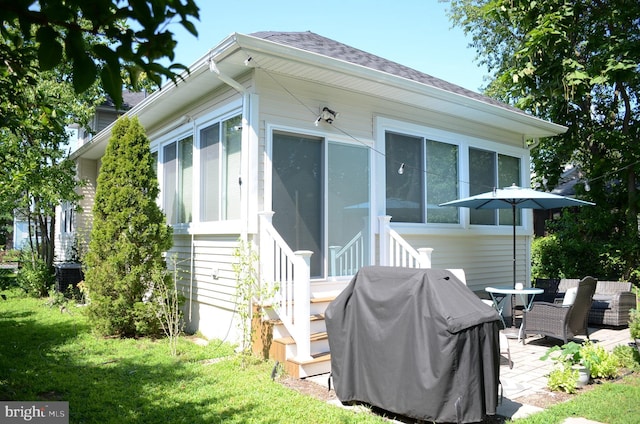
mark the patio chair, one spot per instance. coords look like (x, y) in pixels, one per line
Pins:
(562, 322)
(550, 287)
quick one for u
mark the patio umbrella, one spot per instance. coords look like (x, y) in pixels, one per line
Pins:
(513, 198)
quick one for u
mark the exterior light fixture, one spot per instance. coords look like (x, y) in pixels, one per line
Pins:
(327, 115)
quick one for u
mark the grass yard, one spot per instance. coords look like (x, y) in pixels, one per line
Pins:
(46, 354)
(609, 402)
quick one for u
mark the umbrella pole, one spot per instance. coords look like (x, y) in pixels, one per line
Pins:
(513, 306)
(514, 245)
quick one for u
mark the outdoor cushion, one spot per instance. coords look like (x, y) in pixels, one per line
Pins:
(570, 296)
(602, 301)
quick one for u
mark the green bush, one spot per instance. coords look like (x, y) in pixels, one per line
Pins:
(601, 363)
(128, 238)
(563, 379)
(35, 278)
(587, 241)
(628, 357)
(634, 323)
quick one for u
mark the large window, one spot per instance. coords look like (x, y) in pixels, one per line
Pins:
(489, 170)
(420, 174)
(220, 145)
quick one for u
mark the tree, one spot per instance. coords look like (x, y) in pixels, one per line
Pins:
(128, 237)
(131, 36)
(575, 63)
(35, 171)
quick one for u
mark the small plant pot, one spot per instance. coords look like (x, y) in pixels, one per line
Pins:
(583, 375)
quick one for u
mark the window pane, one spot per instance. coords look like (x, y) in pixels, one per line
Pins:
(348, 208)
(232, 148)
(209, 161)
(508, 174)
(170, 168)
(404, 184)
(442, 181)
(482, 166)
(186, 180)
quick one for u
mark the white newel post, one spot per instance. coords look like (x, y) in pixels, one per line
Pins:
(302, 306)
(425, 256)
(266, 262)
(384, 239)
(333, 265)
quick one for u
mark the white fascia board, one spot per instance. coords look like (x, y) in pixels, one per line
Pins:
(545, 128)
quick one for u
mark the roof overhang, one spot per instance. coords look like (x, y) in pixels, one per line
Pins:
(230, 57)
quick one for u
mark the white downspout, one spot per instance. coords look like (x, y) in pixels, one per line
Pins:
(244, 164)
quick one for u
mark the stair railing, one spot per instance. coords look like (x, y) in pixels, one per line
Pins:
(290, 272)
(395, 251)
(349, 259)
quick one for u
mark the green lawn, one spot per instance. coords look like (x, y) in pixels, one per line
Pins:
(49, 355)
(610, 402)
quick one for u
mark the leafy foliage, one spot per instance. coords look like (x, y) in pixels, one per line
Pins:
(35, 171)
(634, 323)
(128, 238)
(574, 63)
(599, 362)
(40, 35)
(35, 277)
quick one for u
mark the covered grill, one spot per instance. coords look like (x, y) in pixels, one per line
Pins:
(415, 342)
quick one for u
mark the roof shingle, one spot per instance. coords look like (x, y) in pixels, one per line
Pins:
(315, 43)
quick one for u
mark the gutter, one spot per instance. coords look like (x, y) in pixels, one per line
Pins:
(244, 179)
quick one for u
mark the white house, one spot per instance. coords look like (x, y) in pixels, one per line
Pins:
(326, 158)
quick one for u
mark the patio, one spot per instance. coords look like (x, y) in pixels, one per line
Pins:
(527, 378)
(528, 375)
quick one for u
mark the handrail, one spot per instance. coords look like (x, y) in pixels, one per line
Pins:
(349, 259)
(290, 271)
(395, 251)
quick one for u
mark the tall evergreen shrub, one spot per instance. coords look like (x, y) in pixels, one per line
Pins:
(128, 237)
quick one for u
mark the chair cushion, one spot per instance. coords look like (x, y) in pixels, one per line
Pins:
(570, 296)
(601, 301)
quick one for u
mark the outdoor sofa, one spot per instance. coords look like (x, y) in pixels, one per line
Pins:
(611, 302)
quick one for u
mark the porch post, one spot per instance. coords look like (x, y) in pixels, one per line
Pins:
(384, 239)
(302, 304)
(425, 256)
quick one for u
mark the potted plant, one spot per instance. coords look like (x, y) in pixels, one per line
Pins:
(572, 369)
(634, 326)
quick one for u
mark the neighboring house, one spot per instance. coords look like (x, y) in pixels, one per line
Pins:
(72, 227)
(326, 158)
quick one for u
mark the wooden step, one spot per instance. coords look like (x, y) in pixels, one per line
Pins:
(320, 363)
(312, 318)
(322, 299)
(321, 335)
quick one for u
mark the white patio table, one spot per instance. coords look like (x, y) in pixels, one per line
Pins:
(499, 294)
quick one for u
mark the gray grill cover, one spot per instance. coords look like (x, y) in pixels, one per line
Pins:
(415, 342)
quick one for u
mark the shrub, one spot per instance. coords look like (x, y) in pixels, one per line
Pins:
(628, 357)
(601, 363)
(35, 278)
(563, 379)
(634, 323)
(128, 238)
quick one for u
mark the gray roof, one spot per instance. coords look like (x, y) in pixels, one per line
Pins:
(315, 43)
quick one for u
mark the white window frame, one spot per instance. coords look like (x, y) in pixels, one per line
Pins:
(464, 142)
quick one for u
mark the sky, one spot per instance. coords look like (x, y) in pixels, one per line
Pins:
(414, 33)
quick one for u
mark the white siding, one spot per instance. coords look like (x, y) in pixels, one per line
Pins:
(207, 281)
